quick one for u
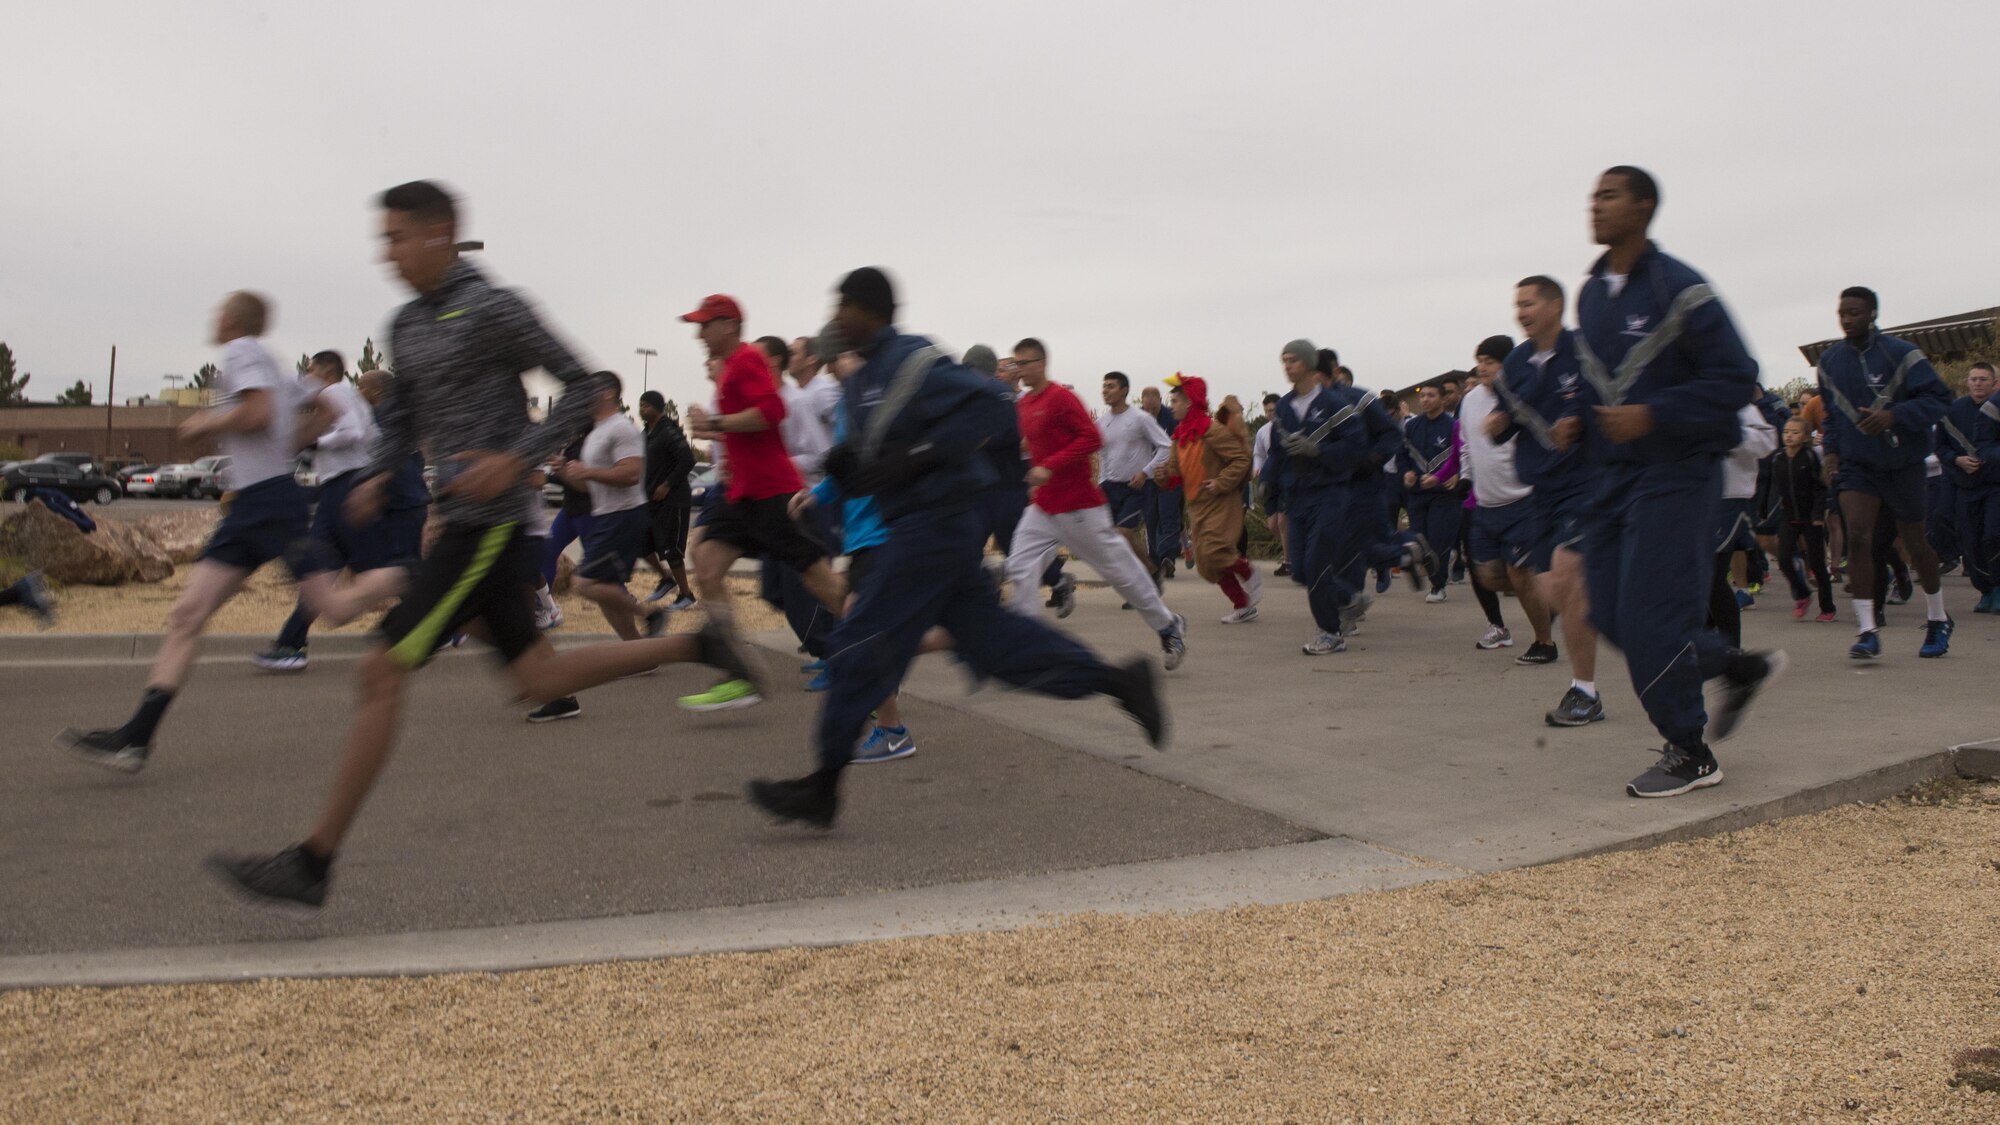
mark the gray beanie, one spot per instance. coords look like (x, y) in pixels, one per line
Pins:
(1304, 350)
(980, 358)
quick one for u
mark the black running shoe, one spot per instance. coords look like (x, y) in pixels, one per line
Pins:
(1746, 674)
(107, 748)
(1132, 685)
(1166, 568)
(289, 876)
(1576, 710)
(1678, 771)
(656, 623)
(565, 708)
(811, 799)
(1538, 653)
(1065, 596)
(1284, 571)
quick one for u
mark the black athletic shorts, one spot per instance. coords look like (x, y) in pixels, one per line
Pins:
(265, 521)
(482, 573)
(858, 565)
(764, 528)
(670, 530)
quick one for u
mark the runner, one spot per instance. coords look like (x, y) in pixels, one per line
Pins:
(254, 414)
(1969, 445)
(341, 427)
(1133, 448)
(1067, 510)
(1164, 518)
(1212, 464)
(1732, 519)
(1669, 374)
(923, 425)
(755, 517)
(31, 593)
(1543, 393)
(1506, 533)
(1430, 481)
(461, 346)
(612, 469)
(1885, 401)
(1260, 455)
(669, 497)
(1005, 500)
(1797, 481)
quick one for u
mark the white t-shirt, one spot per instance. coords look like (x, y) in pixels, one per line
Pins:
(267, 453)
(1495, 484)
(613, 440)
(1133, 443)
(345, 445)
(1260, 449)
(808, 426)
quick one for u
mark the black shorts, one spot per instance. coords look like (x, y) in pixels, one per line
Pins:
(858, 565)
(1510, 534)
(614, 544)
(670, 530)
(265, 521)
(1128, 504)
(764, 528)
(1902, 491)
(481, 573)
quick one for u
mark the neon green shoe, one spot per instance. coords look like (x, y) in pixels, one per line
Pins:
(725, 696)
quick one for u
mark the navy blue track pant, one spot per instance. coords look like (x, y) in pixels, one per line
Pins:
(1437, 516)
(1163, 522)
(1329, 545)
(810, 620)
(930, 573)
(1648, 559)
(1977, 520)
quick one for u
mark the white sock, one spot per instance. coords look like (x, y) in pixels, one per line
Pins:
(1587, 687)
(546, 599)
(1934, 605)
(1864, 614)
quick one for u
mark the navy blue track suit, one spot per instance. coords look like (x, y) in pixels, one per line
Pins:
(1163, 507)
(1535, 397)
(1663, 341)
(1971, 430)
(930, 570)
(1884, 372)
(1435, 512)
(1331, 499)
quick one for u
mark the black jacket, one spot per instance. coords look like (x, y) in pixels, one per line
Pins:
(669, 460)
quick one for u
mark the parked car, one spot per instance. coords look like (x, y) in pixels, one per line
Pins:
(61, 476)
(203, 478)
(134, 469)
(145, 482)
(84, 462)
(700, 481)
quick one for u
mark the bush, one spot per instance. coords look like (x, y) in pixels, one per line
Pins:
(11, 452)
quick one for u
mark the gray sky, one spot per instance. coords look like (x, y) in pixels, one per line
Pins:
(1149, 187)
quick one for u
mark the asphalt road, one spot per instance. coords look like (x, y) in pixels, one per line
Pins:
(483, 819)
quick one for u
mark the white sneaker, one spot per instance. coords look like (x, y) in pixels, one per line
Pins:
(1323, 644)
(1496, 636)
(1240, 616)
(1253, 586)
(1434, 597)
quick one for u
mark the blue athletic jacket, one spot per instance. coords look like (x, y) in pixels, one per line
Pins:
(1969, 429)
(1772, 406)
(1890, 372)
(861, 526)
(954, 415)
(1663, 341)
(1355, 438)
(1426, 444)
(1534, 399)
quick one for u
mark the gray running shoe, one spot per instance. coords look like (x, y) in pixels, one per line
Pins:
(107, 748)
(1173, 643)
(1677, 772)
(1576, 710)
(1324, 644)
(290, 876)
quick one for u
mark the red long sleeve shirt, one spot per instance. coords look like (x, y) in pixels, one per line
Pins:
(759, 467)
(1061, 437)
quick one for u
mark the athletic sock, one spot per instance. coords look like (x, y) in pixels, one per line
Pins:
(546, 599)
(138, 730)
(1587, 687)
(1934, 605)
(1864, 614)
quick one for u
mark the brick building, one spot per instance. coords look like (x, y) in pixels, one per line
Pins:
(150, 433)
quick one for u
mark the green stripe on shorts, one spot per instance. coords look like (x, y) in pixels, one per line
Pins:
(414, 649)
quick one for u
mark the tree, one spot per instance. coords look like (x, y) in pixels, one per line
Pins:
(203, 378)
(370, 358)
(78, 395)
(672, 411)
(13, 391)
(304, 362)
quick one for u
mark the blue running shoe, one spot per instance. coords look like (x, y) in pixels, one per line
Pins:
(1867, 646)
(885, 744)
(1937, 638)
(819, 682)
(1989, 602)
(813, 666)
(1744, 600)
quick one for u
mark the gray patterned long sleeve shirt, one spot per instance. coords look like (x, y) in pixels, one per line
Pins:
(459, 352)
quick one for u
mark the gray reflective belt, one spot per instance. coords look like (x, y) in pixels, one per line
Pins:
(1612, 387)
(1971, 450)
(1883, 397)
(1991, 409)
(1530, 420)
(1427, 464)
(1344, 414)
(901, 390)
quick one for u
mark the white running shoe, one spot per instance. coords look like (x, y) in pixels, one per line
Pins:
(1496, 636)
(1434, 597)
(1240, 616)
(1324, 644)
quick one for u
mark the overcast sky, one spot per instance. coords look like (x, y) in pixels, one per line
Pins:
(1147, 186)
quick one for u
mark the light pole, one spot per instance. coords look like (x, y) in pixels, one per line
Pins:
(645, 366)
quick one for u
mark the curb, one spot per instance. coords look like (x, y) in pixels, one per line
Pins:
(30, 648)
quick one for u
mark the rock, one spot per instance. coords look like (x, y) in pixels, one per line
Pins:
(1977, 1067)
(114, 554)
(181, 535)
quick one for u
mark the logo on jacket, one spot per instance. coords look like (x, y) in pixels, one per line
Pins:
(1636, 325)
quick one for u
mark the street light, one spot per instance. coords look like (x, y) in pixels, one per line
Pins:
(645, 366)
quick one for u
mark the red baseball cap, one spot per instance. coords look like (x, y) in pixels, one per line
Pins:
(715, 306)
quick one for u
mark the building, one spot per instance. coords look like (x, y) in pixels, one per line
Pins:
(149, 433)
(1946, 339)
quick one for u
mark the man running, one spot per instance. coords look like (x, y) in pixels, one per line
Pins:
(1969, 445)
(922, 426)
(1164, 517)
(612, 468)
(1066, 509)
(1133, 447)
(254, 415)
(669, 497)
(1506, 522)
(1545, 401)
(1430, 481)
(1669, 374)
(1885, 400)
(755, 516)
(461, 347)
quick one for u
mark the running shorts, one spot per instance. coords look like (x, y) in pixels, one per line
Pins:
(764, 528)
(670, 530)
(265, 521)
(1903, 491)
(1509, 533)
(614, 544)
(1128, 504)
(472, 573)
(1562, 516)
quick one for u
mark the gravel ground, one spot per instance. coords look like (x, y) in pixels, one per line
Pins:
(1820, 969)
(141, 607)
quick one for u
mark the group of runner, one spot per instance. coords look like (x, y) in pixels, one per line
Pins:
(1598, 460)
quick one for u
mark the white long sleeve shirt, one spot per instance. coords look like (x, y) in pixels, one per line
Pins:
(345, 445)
(1495, 483)
(808, 426)
(1739, 469)
(1133, 443)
